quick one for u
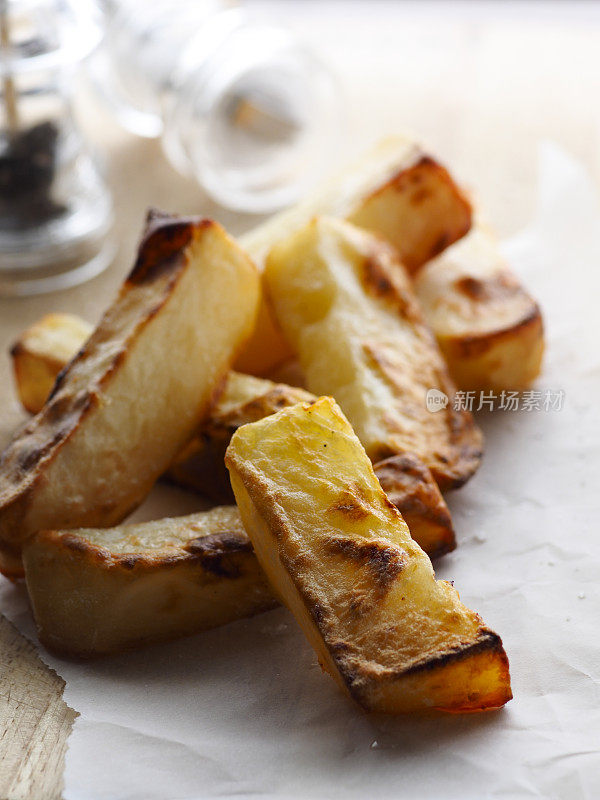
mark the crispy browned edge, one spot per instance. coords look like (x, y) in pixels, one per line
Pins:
(406, 175)
(384, 565)
(477, 344)
(160, 251)
(356, 678)
(459, 351)
(216, 553)
(465, 437)
(211, 552)
(487, 642)
(410, 486)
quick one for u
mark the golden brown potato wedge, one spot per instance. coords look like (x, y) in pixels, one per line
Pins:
(347, 307)
(489, 328)
(396, 190)
(42, 351)
(49, 344)
(133, 396)
(340, 556)
(106, 590)
(494, 338)
(200, 466)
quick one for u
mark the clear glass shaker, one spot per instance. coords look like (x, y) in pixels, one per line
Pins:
(242, 106)
(55, 210)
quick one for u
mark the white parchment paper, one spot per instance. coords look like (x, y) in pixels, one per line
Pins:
(245, 710)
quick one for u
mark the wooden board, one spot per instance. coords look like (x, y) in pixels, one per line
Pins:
(34, 721)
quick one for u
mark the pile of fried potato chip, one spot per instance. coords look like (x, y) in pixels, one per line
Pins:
(304, 380)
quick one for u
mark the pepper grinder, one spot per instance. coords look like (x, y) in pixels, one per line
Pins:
(55, 209)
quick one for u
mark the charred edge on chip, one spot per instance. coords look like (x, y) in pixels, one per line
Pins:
(409, 485)
(487, 641)
(497, 287)
(357, 673)
(216, 553)
(379, 281)
(28, 455)
(383, 561)
(163, 241)
(117, 360)
(478, 344)
(60, 378)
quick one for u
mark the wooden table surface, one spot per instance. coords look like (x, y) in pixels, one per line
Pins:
(481, 84)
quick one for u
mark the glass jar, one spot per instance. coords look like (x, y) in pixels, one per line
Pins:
(242, 106)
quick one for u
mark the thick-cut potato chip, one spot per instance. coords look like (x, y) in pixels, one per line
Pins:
(347, 307)
(98, 591)
(397, 191)
(136, 392)
(489, 328)
(42, 351)
(340, 556)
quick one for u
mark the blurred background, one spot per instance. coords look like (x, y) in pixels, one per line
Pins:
(482, 82)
